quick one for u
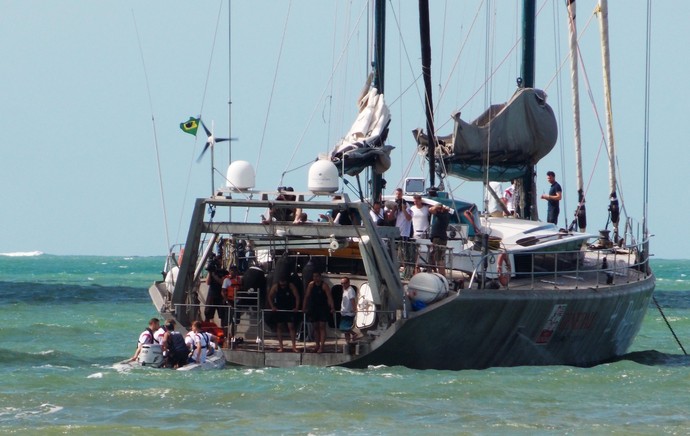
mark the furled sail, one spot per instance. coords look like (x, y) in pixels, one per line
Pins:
(364, 145)
(506, 136)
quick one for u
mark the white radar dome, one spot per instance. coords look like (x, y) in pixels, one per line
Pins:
(323, 176)
(240, 176)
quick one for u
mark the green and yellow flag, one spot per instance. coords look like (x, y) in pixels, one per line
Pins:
(190, 126)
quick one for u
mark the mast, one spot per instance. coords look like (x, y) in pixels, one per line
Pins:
(605, 55)
(580, 213)
(528, 31)
(378, 67)
(645, 194)
(424, 30)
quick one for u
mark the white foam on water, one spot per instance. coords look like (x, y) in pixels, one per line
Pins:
(23, 254)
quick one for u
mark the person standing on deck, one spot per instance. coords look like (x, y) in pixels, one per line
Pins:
(553, 198)
(231, 284)
(509, 198)
(283, 296)
(318, 303)
(403, 215)
(348, 309)
(420, 217)
(439, 236)
(214, 299)
(493, 207)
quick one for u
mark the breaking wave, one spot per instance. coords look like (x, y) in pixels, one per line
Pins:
(23, 254)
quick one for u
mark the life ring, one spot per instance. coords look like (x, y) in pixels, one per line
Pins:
(503, 268)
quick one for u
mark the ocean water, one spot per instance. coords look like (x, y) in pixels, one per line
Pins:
(65, 320)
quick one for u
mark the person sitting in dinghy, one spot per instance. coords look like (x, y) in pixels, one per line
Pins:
(174, 347)
(202, 343)
(146, 337)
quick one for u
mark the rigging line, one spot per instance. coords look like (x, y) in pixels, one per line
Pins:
(400, 92)
(588, 87)
(210, 59)
(460, 51)
(559, 87)
(500, 64)
(579, 54)
(193, 150)
(487, 96)
(407, 57)
(273, 87)
(155, 135)
(668, 324)
(443, 44)
(407, 170)
(330, 97)
(323, 93)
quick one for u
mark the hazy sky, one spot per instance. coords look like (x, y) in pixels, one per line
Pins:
(79, 165)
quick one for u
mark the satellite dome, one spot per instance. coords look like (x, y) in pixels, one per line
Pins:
(323, 177)
(240, 176)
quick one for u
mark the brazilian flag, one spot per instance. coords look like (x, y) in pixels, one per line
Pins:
(190, 126)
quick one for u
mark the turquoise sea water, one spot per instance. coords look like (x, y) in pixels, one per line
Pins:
(64, 321)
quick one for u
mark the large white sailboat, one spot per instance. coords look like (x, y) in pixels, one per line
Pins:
(506, 291)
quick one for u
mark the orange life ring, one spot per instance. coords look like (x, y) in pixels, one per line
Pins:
(503, 268)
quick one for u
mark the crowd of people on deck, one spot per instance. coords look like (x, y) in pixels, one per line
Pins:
(285, 299)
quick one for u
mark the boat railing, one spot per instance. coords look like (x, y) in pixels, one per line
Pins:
(590, 267)
(256, 341)
(416, 256)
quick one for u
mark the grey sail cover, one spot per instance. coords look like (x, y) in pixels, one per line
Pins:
(363, 146)
(522, 130)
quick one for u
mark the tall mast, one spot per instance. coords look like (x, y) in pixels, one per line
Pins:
(575, 87)
(378, 67)
(424, 30)
(604, 29)
(528, 31)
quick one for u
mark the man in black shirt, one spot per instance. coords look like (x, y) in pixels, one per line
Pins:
(553, 198)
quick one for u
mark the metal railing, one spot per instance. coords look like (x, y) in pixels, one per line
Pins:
(303, 327)
(591, 267)
(415, 256)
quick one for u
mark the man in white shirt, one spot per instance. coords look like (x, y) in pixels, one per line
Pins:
(146, 337)
(420, 218)
(348, 309)
(493, 207)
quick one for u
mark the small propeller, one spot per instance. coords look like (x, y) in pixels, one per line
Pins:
(211, 140)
